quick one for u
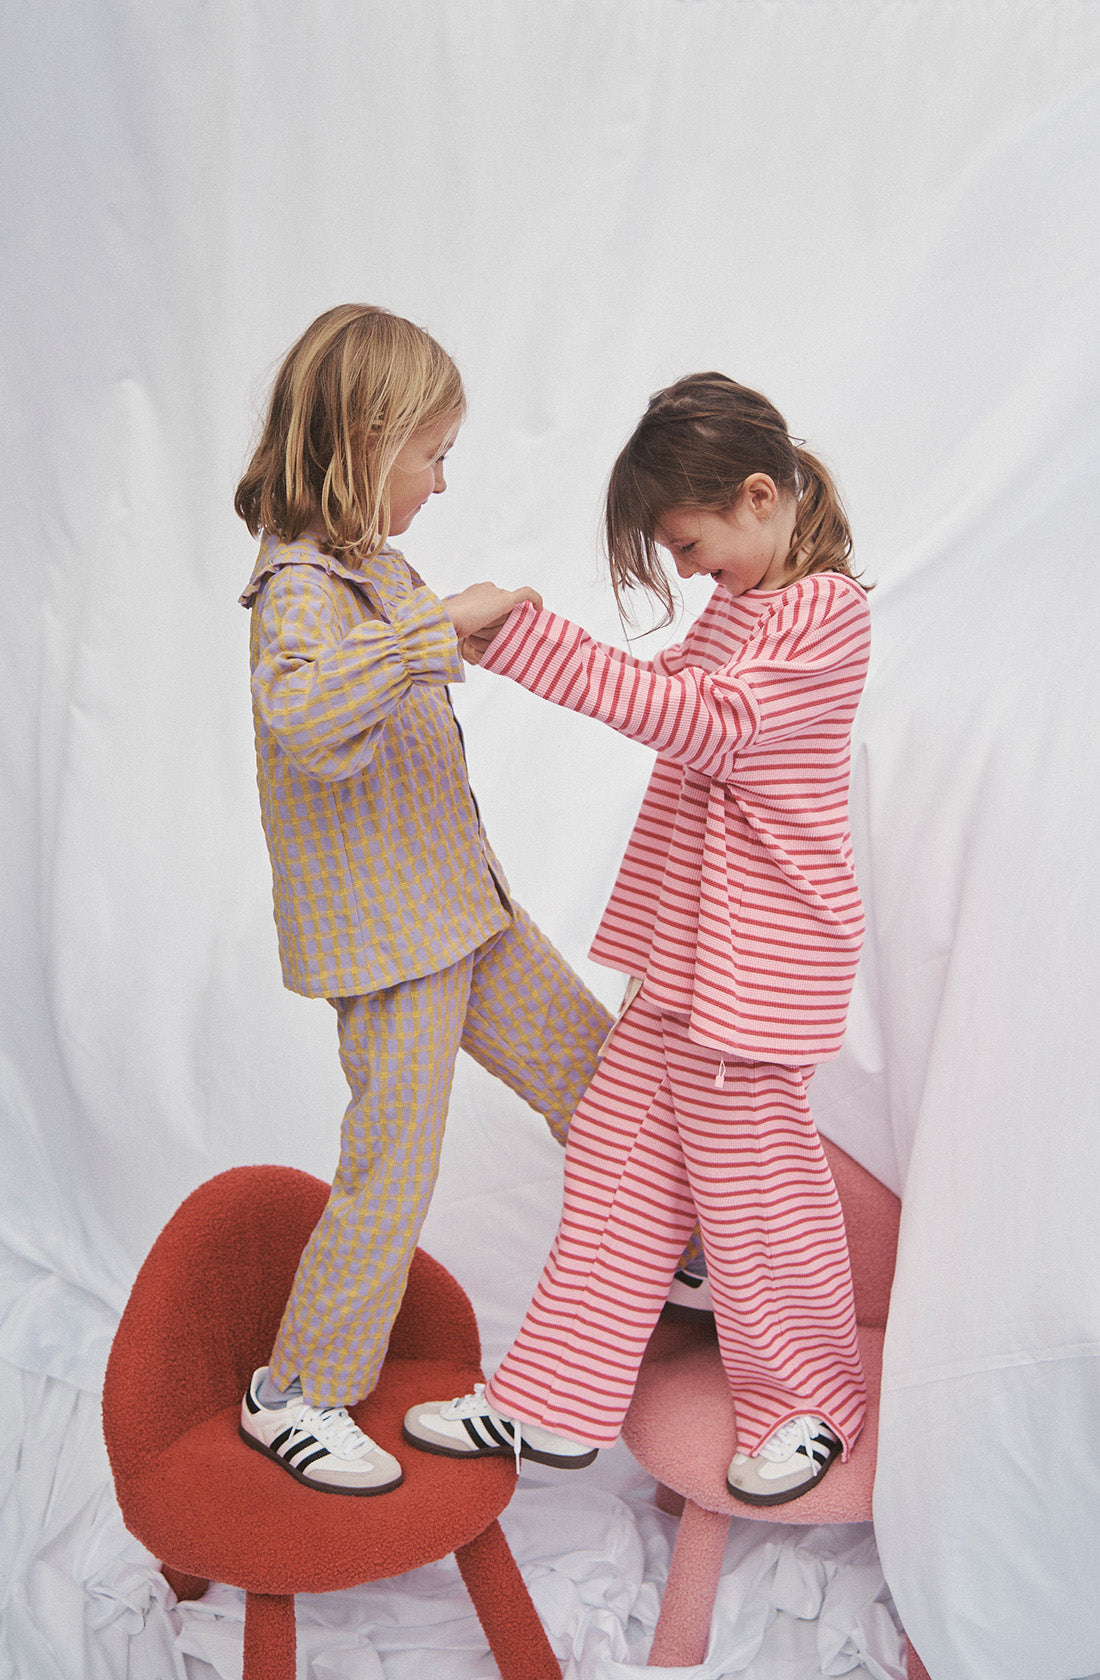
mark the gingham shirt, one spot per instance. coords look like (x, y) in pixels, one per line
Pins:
(736, 899)
(382, 872)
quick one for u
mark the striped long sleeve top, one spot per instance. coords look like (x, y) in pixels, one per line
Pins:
(736, 901)
(381, 869)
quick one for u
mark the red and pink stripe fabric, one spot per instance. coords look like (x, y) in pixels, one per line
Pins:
(736, 899)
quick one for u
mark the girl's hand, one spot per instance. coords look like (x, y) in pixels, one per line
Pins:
(480, 612)
(472, 647)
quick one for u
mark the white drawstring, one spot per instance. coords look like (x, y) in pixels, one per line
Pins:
(720, 1077)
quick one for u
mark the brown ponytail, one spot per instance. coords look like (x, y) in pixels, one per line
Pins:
(822, 540)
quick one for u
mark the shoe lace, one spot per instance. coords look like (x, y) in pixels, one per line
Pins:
(467, 1405)
(335, 1429)
(476, 1405)
(797, 1434)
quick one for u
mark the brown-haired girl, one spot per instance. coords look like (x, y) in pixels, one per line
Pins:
(736, 914)
(388, 900)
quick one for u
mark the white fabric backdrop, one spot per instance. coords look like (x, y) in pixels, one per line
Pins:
(881, 212)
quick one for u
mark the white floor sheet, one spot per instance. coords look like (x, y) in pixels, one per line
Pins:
(884, 214)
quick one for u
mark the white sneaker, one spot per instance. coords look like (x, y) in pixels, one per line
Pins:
(791, 1461)
(470, 1428)
(319, 1446)
(688, 1290)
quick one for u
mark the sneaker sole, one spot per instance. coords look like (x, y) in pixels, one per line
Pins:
(556, 1461)
(785, 1497)
(310, 1482)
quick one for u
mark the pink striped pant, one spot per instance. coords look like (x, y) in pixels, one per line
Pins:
(666, 1131)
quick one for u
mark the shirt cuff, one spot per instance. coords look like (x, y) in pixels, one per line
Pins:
(427, 643)
(506, 647)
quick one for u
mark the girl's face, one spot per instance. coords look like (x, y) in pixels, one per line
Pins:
(417, 471)
(742, 547)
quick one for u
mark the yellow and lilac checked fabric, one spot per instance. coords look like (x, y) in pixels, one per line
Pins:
(381, 869)
(515, 1006)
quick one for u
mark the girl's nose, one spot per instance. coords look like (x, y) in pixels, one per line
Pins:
(440, 481)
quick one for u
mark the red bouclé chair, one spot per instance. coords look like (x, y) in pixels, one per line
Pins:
(681, 1429)
(202, 1316)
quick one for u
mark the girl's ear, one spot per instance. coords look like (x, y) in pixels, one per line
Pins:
(759, 495)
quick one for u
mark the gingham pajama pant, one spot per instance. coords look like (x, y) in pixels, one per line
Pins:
(665, 1131)
(519, 1010)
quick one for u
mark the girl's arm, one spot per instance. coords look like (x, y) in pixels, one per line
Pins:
(326, 697)
(807, 656)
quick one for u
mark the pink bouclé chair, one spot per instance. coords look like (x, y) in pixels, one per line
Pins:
(201, 1316)
(681, 1429)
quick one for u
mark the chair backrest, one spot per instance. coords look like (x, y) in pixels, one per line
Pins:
(871, 1216)
(206, 1305)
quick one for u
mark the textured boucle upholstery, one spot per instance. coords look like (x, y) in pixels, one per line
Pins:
(201, 1317)
(681, 1427)
(872, 1214)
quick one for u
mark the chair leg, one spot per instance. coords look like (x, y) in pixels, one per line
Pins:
(683, 1627)
(504, 1609)
(269, 1636)
(669, 1501)
(186, 1587)
(914, 1668)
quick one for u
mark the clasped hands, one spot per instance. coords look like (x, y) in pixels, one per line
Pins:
(478, 614)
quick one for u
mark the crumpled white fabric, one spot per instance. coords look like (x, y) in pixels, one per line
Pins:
(84, 1601)
(792, 1602)
(48, 1324)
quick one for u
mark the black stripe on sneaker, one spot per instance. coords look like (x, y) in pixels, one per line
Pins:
(251, 1402)
(483, 1433)
(290, 1450)
(504, 1437)
(822, 1449)
(303, 1464)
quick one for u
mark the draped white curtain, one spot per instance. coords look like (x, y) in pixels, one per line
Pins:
(883, 213)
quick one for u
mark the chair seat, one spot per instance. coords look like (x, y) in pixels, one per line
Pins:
(681, 1428)
(213, 1507)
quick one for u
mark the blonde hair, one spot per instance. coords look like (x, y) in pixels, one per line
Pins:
(695, 446)
(348, 396)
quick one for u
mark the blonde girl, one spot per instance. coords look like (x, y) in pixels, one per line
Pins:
(736, 915)
(388, 900)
